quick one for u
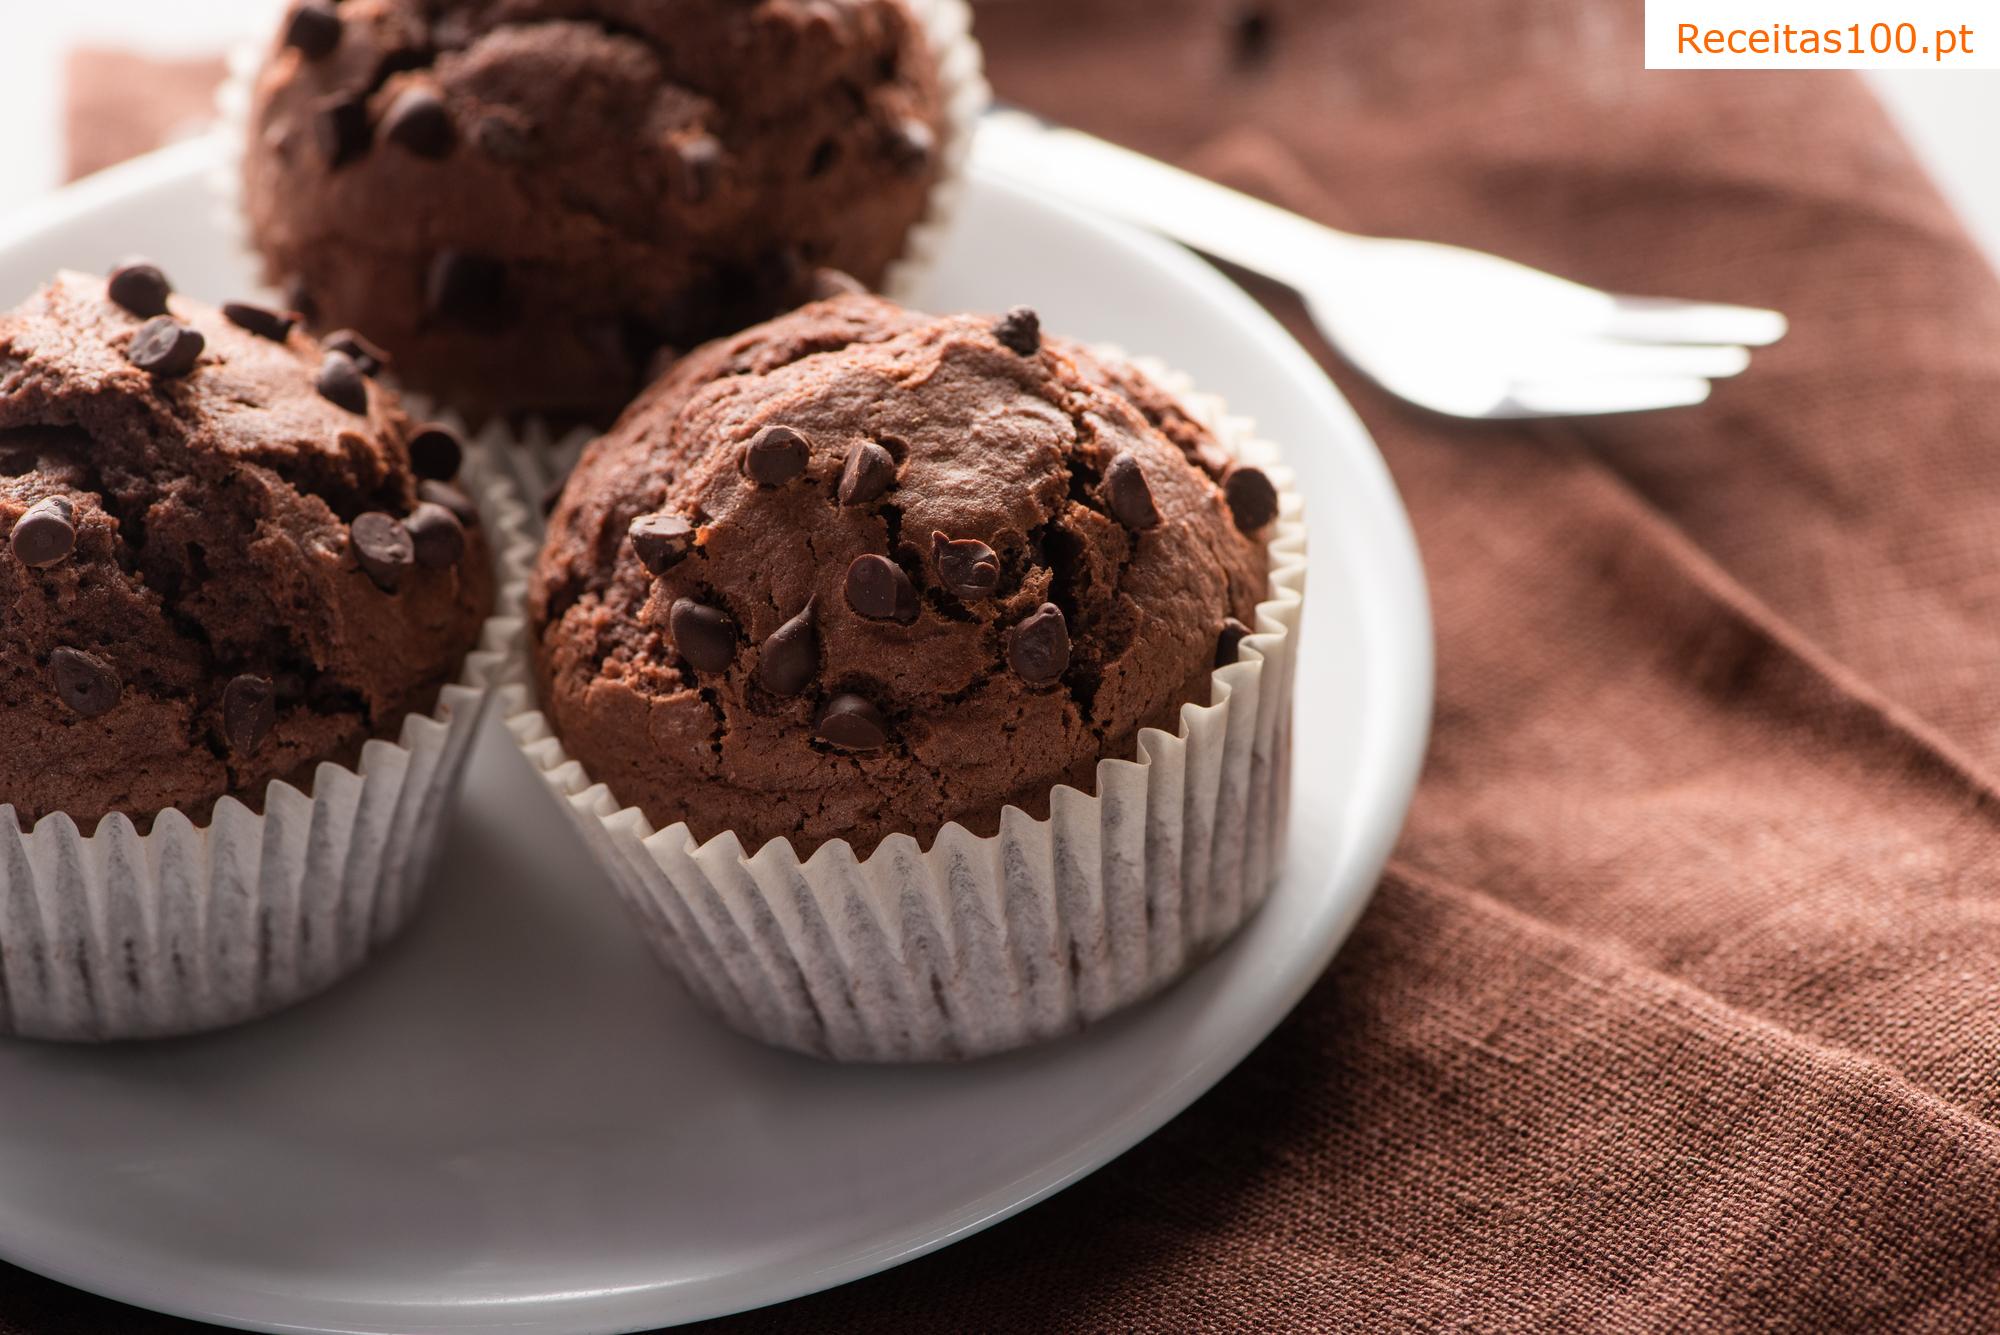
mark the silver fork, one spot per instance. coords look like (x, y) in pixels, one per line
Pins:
(1454, 330)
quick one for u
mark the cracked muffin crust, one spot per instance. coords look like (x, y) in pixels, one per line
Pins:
(861, 571)
(220, 566)
(524, 199)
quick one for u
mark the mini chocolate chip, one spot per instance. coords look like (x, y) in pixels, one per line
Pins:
(45, 533)
(464, 286)
(502, 140)
(341, 383)
(436, 452)
(436, 535)
(1020, 331)
(852, 724)
(259, 320)
(340, 126)
(1253, 501)
(249, 709)
(829, 283)
(451, 498)
(1250, 35)
(912, 144)
(85, 682)
(789, 658)
(1038, 650)
(1227, 643)
(366, 355)
(870, 470)
(878, 589)
(383, 547)
(418, 122)
(165, 348)
(1131, 496)
(775, 456)
(139, 287)
(313, 29)
(966, 566)
(697, 167)
(661, 541)
(705, 635)
(299, 297)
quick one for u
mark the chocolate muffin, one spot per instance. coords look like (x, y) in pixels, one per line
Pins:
(861, 571)
(524, 200)
(221, 566)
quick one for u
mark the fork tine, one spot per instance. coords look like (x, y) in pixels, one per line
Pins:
(1665, 320)
(1577, 398)
(1577, 359)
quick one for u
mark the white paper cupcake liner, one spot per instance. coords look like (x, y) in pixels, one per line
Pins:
(121, 935)
(982, 944)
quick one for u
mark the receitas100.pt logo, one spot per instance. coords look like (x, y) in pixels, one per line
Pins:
(1822, 34)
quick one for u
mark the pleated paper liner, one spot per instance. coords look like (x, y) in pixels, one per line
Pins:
(121, 935)
(982, 944)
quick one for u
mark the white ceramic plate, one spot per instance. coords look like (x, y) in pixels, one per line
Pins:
(515, 1121)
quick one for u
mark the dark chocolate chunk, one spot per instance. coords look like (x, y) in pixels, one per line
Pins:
(383, 547)
(870, 470)
(164, 347)
(436, 452)
(1020, 331)
(259, 320)
(789, 658)
(85, 682)
(341, 383)
(1229, 641)
(249, 710)
(1253, 501)
(451, 498)
(878, 589)
(966, 566)
(313, 30)
(828, 283)
(436, 535)
(464, 286)
(912, 144)
(418, 122)
(775, 455)
(1038, 650)
(139, 287)
(1130, 496)
(45, 533)
(661, 541)
(697, 167)
(705, 635)
(366, 355)
(852, 724)
(340, 125)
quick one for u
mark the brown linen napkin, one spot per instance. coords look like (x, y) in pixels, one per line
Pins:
(122, 104)
(1680, 1008)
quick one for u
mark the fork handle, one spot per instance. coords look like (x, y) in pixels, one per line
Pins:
(1104, 178)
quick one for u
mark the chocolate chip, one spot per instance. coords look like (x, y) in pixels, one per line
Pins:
(299, 297)
(259, 320)
(1130, 495)
(1250, 35)
(705, 635)
(249, 710)
(502, 140)
(418, 122)
(829, 283)
(852, 724)
(436, 452)
(383, 547)
(451, 498)
(165, 348)
(1253, 501)
(1020, 331)
(1231, 639)
(436, 535)
(661, 541)
(775, 456)
(464, 286)
(912, 144)
(878, 589)
(340, 126)
(341, 383)
(366, 355)
(789, 658)
(870, 470)
(313, 30)
(966, 566)
(1038, 650)
(140, 287)
(45, 534)
(697, 167)
(85, 682)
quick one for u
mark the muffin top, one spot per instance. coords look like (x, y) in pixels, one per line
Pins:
(523, 199)
(220, 566)
(860, 571)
